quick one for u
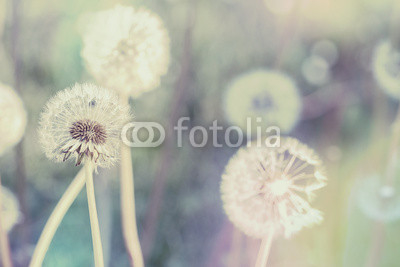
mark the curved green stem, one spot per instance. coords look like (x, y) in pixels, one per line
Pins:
(129, 224)
(265, 248)
(94, 220)
(56, 217)
(4, 242)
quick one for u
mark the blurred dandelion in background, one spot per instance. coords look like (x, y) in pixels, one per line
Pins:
(83, 122)
(10, 215)
(269, 95)
(264, 189)
(13, 118)
(386, 68)
(376, 200)
(126, 49)
(316, 70)
(327, 50)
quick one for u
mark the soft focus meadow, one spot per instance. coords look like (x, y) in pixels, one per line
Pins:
(326, 72)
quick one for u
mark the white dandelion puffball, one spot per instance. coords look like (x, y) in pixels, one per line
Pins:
(268, 189)
(269, 96)
(386, 68)
(10, 209)
(126, 49)
(83, 122)
(378, 201)
(13, 118)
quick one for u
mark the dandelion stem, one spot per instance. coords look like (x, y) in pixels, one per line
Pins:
(236, 254)
(94, 221)
(393, 155)
(264, 251)
(288, 34)
(4, 243)
(179, 97)
(395, 19)
(56, 217)
(21, 176)
(377, 243)
(129, 224)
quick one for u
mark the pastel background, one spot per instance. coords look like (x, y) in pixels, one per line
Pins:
(325, 46)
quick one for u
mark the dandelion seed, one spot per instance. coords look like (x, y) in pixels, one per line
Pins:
(126, 49)
(10, 209)
(265, 189)
(377, 201)
(12, 120)
(386, 67)
(83, 122)
(269, 95)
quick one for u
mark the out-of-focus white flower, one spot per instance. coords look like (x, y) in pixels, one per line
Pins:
(126, 49)
(377, 201)
(12, 118)
(263, 189)
(327, 50)
(316, 70)
(10, 209)
(84, 122)
(386, 67)
(269, 95)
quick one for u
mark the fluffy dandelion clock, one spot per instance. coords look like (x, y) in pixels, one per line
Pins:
(83, 122)
(378, 201)
(386, 68)
(265, 98)
(10, 209)
(267, 189)
(126, 49)
(12, 118)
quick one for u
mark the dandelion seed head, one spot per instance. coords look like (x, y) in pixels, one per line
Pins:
(10, 209)
(83, 122)
(377, 201)
(88, 131)
(126, 49)
(265, 188)
(386, 68)
(13, 118)
(269, 95)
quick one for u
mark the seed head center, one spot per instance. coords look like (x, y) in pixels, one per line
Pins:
(279, 187)
(88, 131)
